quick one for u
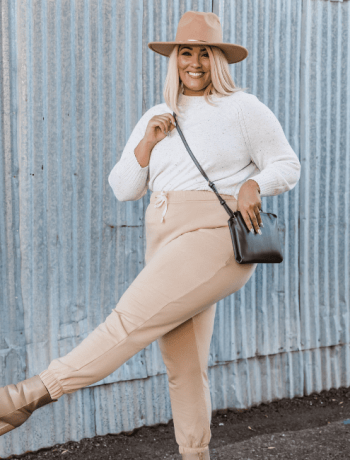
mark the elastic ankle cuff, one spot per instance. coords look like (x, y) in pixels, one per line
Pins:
(192, 450)
(52, 385)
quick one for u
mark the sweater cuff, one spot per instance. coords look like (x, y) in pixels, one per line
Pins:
(128, 178)
(132, 171)
(135, 165)
(267, 183)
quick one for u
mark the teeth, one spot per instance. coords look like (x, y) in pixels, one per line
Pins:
(195, 74)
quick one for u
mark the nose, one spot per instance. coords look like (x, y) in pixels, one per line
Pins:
(195, 61)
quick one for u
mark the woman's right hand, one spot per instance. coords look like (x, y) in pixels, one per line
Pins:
(157, 128)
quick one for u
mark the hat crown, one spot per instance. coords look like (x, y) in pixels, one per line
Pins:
(197, 26)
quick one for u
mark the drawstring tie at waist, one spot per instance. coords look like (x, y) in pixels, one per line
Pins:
(162, 198)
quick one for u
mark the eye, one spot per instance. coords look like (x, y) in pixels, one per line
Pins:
(187, 52)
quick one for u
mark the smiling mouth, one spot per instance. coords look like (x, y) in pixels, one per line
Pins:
(196, 74)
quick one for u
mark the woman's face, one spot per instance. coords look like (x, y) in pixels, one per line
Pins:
(194, 60)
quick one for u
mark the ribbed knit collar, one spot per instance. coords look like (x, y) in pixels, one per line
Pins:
(193, 101)
(190, 100)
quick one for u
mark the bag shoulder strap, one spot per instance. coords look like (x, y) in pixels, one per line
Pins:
(211, 184)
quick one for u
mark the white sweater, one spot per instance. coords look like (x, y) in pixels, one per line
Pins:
(238, 139)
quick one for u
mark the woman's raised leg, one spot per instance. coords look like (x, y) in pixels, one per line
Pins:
(182, 279)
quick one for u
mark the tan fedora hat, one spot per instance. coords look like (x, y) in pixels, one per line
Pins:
(198, 28)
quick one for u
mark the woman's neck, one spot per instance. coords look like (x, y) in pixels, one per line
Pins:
(194, 95)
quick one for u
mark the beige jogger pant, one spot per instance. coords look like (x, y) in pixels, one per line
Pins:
(190, 266)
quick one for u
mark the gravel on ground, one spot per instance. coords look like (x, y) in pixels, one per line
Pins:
(313, 427)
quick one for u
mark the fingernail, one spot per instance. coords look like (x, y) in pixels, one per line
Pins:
(261, 225)
(259, 231)
(252, 230)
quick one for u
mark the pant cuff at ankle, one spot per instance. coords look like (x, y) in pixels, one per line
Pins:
(52, 384)
(193, 450)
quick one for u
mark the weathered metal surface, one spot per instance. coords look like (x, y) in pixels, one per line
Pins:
(75, 77)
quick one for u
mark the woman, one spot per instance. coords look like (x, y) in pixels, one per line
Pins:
(190, 264)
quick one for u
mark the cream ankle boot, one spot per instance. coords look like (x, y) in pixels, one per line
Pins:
(196, 456)
(18, 402)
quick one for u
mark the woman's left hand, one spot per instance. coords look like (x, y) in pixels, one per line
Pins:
(249, 205)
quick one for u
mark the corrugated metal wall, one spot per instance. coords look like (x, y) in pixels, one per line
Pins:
(75, 77)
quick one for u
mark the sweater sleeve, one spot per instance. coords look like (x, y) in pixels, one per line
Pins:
(129, 181)
(269, 149)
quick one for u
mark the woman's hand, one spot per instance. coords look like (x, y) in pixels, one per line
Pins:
(249, 205)
(158, 127)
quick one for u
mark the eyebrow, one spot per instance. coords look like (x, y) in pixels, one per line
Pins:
(190, 48)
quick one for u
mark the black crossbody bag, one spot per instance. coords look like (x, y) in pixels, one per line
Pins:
(247, 247)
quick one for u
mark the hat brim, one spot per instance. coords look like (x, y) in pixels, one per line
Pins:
(233, 53)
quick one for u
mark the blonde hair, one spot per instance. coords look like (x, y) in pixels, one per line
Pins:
(221, 83)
